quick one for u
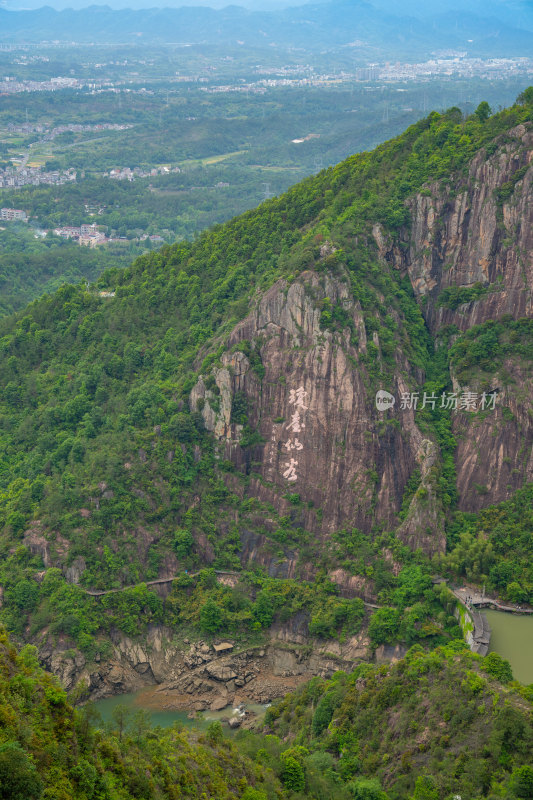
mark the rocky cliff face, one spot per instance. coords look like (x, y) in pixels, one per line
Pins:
(481, 232)
(199, 676)
(494, 454)
(311, 403)
(477, 231)
(322, 437)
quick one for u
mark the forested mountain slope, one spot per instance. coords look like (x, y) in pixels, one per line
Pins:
(433, 725)
(29, 269)
(219, 410)
(365, 735)
(49, 750)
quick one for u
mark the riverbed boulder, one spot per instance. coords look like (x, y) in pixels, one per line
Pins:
(219, 703)
(221, 672)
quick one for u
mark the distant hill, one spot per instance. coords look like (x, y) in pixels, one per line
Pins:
(377, 31)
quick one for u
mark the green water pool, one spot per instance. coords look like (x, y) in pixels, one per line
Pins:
(512, 638)
(133, 702)
(166, 718)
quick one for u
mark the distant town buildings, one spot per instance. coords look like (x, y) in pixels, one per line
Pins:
(10, 85)
(50, 133)
(444, 64)
(155, 238)
(14, 178)
(127, 174)
(92, 239)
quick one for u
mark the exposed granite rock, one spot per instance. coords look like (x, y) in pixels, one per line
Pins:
(388, 653)
(320, 427)
(462, 235)
(220, 671)
(423, 528)
(219, 703)
(312, 409)
(353, 585)
(257, 674)
(74, 572)
(37, 544)
(502, 438)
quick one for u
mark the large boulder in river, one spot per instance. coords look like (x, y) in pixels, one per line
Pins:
(219, 703)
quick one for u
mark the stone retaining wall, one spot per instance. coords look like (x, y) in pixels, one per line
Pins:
(475, 627)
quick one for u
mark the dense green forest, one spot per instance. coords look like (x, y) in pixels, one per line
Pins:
(368, 735)
(495, 547)
(49, 750)
(30, 267)
(101, 455)
(433, 725)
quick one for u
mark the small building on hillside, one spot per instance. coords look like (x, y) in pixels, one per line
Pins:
(12, 214)
(222, 648)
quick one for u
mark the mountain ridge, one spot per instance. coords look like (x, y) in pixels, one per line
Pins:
(111, 474)
(310, 26)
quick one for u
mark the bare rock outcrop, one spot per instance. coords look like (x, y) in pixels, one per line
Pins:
(494, 454)
(479, 231)
(318, 433)
(194, 676)
(423, 527)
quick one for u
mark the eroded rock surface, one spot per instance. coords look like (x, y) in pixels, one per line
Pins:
(323, 437)
(468, 235)
(194, 677)
(474, 235)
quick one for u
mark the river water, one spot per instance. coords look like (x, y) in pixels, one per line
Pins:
(166, 717)
(133, 702)
(512, 638)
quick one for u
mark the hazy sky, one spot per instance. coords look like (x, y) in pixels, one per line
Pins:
(256, 5)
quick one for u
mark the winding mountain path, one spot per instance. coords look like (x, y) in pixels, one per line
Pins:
(158, 581)
(100, 592)
(481, 601)
(466, 596)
